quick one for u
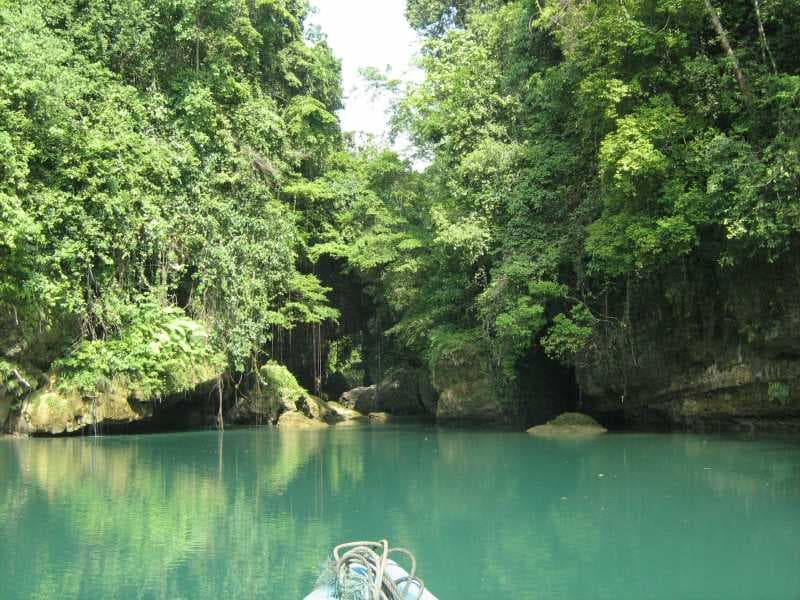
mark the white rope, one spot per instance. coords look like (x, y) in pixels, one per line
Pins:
(358, 563)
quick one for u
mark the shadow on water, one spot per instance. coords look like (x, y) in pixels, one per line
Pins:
(252, 513)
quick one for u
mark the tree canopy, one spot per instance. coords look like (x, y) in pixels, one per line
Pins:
(576, 149)
(174, 185)
(147, 147)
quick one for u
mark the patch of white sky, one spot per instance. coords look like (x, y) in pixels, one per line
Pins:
(368, 33)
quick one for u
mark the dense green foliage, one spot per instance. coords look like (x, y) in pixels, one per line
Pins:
(175, 190)
(576, 148)
(146, 147)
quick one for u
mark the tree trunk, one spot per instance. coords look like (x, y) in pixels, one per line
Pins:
(726, 46)
(765, 51)
(220, 418)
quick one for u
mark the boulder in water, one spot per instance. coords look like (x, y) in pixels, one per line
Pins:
(380, 417)
(402, 392)
(278, 393)
(569, 424)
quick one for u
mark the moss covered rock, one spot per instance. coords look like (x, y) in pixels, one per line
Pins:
(297, 420)
(569, 424)
(54, 411)
(278, 393)
(58, 409)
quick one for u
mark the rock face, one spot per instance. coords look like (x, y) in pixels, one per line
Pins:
(703, 348)
(5, 407)
(361, 399)
(297, 420)
(569, 425)
(467, 392)
(280, 400)
(428, 395)
(399, 393)
(52, 410)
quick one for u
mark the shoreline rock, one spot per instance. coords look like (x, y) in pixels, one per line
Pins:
(51, 410)
(292, 420)
(403, 391)
(346, 415)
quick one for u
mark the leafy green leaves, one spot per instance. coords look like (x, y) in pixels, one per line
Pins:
(145, 152)
(574, 147)
(158, 352)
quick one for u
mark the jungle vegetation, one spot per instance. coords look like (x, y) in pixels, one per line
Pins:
(175, 188)
(576, 150)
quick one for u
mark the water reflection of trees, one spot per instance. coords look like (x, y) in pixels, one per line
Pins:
(148, 517)
(252, 512)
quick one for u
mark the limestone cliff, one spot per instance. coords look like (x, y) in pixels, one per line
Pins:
(467, 390)
(704, 347)
(54, 409)
(403, 391)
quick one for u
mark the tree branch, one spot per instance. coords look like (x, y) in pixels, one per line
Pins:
(21, 379)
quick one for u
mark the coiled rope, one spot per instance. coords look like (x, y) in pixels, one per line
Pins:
(360, 572)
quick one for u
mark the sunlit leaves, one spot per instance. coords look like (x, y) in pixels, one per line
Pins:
(144, 153)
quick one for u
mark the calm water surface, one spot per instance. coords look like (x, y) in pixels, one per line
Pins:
(253, 513)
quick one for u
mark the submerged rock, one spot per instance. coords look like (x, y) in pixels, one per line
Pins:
(569, 424)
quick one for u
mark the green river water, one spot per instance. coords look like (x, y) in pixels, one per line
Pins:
(253, 513)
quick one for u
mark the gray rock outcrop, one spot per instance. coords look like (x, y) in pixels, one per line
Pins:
(704, 347)
(400, 393)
